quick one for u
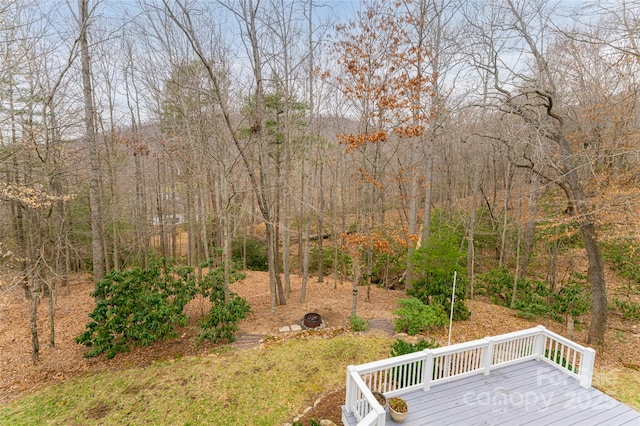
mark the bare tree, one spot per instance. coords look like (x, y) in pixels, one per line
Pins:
(255, 151)
(532, 95)
(95, 199)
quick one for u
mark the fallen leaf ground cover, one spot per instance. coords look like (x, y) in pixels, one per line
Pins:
(618, 363)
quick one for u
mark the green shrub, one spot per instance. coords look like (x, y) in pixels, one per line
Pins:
(624, 258)
(434, 266)
(253, 250)
(498, 284)
(221, 323)
(534, 299)
(359, 324)
(630, 310)
(401, 347)
(415, 316)
(573, 299)
(435, 290)
(138, 307)
(328, 257)
(441, 255)
(403, 373)
(532, 304)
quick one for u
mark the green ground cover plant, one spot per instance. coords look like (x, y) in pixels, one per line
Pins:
(535, 299)
(629, 310)
(624, 258)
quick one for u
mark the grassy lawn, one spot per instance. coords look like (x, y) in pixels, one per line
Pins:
(265, 387)
(621, 384)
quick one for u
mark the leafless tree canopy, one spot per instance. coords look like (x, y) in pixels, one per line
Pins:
(186, 128)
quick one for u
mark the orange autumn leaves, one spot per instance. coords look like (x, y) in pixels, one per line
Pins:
(353, 142)
(385, 75)
(380, 242)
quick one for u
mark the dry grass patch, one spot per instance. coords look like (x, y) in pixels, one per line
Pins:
(257, 387)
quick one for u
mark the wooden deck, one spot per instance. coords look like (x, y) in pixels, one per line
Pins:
(531, 392)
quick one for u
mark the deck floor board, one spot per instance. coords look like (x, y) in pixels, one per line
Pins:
(529, 393)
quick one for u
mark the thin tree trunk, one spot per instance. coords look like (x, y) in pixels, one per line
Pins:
(320, 221)
(356, 280)
(52, 313)
(428, 194)
(505, 212)
(472, 230)
(33, 321)
(412, 219)
(160, 211)
(529, 237)
(305, 261)
(92, 145)
(516, 275)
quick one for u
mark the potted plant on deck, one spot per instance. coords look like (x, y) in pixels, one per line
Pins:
(382, 400)
(398, 409)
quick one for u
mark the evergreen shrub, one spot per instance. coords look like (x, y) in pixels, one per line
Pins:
(415, 316)
(141, 306)
(254, 250)
(138, 306)
(221, 323)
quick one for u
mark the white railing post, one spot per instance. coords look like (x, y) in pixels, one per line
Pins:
(487, 356)
(427, 371)
(538, 348)
(350, 391)
(586, 367)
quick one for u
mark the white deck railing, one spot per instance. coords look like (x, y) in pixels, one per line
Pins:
(421, 370)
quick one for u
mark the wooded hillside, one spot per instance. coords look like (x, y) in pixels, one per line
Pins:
(420, 137)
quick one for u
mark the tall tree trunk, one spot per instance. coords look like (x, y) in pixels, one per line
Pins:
(52, 312)
(576, 196)
(305, 259)
(598, 325)
(412, 219)
(95, 201)
(516, 275)
(428, 193)
(173, 237)
(530, 232)
(505, 213)
(160, 210)
(141, 228)
(33, 321)
(320, 187)
(471, 256)
(356, 281)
